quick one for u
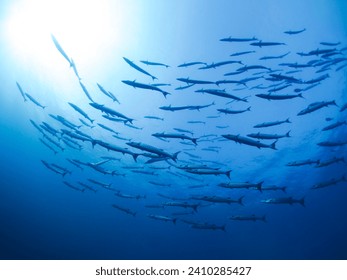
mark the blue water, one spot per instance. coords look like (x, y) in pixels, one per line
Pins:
(42, 218)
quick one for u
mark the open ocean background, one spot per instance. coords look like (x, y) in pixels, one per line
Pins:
(42, 218)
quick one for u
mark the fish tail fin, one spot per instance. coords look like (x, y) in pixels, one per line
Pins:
(194, 141)
(284, 189)
(302, 201)
(288, 121)
(135, 157)
(154, 78)
(195, 207)
(287, 134)
(174, 220)
(264, 219)
(175, 156)
(228, 173)
(249, 108)
(165, 93)
(300, 95)
(223, 228)
(273, 145)
(92, 121)
(259, 186)
(240, 200)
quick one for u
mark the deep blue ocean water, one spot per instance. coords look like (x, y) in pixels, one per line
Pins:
(43, 218)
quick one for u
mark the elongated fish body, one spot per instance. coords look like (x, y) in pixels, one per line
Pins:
(152, 149)
(332, 143)
(162, 218)
(331, 161)
(268, 136)
(266, 44)
(321, 51)
(87, 187)
(110, 111)
(183, 130)
(191, 64)
(21, 91)
(303, 162)
(221, 93)
(316, 106)
(274, 188)
(274, 57)
(191, 81)
(122, 195)
(290, 79)
(154, 63)
(108, 185)
(317, 80)
(175, 135)
(209, 172)
(284, 200)
(107, 128)
(60, 49)
(115, 148)
(257, 186)
(233, 39)
(293, 32)
(279, 88)
(133, 65)
(218, 64)
(107, 93)
(249, 141)
(268, 124)
(33, 100)
(174, 108)
(79, 110)
(253, 218)
(231, 112)
(208, 226)
(159, 184)
(144, 86)
(329, 183)
(271, 96)
(125, 210)
(242, 53)
(154, 118)
(73, 187)
(86, 92)
(334, 125)
(219, 199)
(330, 44)
(252, 67)
(49, 166)
(63, 169)
(182, 204)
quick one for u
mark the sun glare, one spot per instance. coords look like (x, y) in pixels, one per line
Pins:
(82, 27)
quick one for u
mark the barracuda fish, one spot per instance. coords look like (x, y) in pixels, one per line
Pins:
(133, 65)
(175, 136)
(252, 67)
(317, 80)
(48, 146)
(222, 63)
(246, 185)
(87, 187)
(196, 122)
(329, 183)
(74, 68)
(274, 188)
(50, 129)
(154, 63)
(110, 111)
(60, 49)
(289, 79)
(86, 92)
(115, 148)
(108, 128)
(266, 44)
(154, 118)
(107, 93)
(331, 161)
(129, 196)
(284, 200)
(274, 57)
(219, 199)
(160, 184)
(86, 124)
(33, 100)
(271, 96)
(208, 226)
(330, 44)
(184, 87)
(182, 204)
(73, 187)
(233, 39)
(208, 172)
(334, 125)
(125, 210)
(55, 170)
(21, 91)
(145, 172)
(332, 143)
(191, 81)
(249, 141)
(253, 218)
(65, 122)
(104, 185)
(268, 136)
(321, 51)
(162, 218)
(228, 111)
(135, 84)
(191, 64)
(291, 32)
(267, 124)
(154, 150)
(62, 169)
(303, 162)
(242, 53)
(279, 88)
(74, 163)
(184, 130)
(316, 106)
(76, 136)
(79, 110)
(221, 93)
